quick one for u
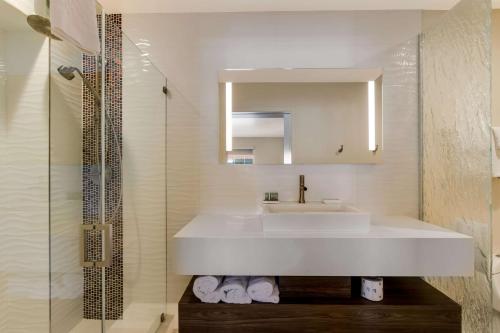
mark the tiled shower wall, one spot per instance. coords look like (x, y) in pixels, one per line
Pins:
(24, 170)
(66, 275)
(91, 195)
(456, 145)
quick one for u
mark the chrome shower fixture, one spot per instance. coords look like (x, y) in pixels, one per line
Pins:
(68, 73)
(42, 25)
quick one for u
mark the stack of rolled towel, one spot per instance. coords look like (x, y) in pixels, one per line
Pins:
(236, 289)
(207, 288)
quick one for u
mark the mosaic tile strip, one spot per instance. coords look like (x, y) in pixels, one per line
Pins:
(90, 187)
(114, 211)
(92, 307)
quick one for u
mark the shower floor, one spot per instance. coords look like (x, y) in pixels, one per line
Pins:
(171, 324)
(137, 318)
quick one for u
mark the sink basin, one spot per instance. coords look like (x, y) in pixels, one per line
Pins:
(314, 217)
(309, 207)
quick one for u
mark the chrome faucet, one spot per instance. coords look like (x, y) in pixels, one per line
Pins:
(302, 189)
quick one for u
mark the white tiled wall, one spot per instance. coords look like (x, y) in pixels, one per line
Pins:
(65, 190)
(191, 48)
(24, 114)
(183, 177)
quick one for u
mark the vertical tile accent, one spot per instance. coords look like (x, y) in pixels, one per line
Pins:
(114, 209)
(90, 188)
(91, 153)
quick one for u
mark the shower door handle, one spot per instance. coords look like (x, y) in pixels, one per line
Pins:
(106, 231)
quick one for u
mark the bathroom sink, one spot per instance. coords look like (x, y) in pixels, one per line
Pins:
(314, 217)
(215, 244)
(309, 207)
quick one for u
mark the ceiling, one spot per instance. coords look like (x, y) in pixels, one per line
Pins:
(190, 6)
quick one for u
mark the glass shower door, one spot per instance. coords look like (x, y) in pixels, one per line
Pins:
(107, 187)
(137, 118)
(76, 297)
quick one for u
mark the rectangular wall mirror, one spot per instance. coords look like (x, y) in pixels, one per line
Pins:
(301, 116)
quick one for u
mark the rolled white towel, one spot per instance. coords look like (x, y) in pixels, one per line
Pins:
(213, 297)
(261, 286)
(263, 289)
(273, 298)
(234, 290)
(207, 288)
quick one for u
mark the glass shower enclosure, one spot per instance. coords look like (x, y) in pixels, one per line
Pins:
(83, 181)
(107, 187)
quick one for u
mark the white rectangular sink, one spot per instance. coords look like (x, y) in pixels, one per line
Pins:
(393, 246)
(313, 217)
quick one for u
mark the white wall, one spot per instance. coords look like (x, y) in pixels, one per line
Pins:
(183, 178)
(191, 48)
(24, 168)
(495, 120)
(29, 7)
(456, 163)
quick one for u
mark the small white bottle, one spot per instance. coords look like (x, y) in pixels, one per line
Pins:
(372, 288)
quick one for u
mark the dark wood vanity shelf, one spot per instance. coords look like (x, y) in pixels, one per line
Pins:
(409, 305)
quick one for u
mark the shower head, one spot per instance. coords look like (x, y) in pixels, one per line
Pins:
(67, 72)
(42, 25)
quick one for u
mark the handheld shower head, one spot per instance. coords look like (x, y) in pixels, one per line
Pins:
(67, 72)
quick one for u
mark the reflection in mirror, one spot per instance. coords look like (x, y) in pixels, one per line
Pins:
(260, 138)
(301, 116)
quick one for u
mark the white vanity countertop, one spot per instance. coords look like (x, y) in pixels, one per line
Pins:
(393, 246)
